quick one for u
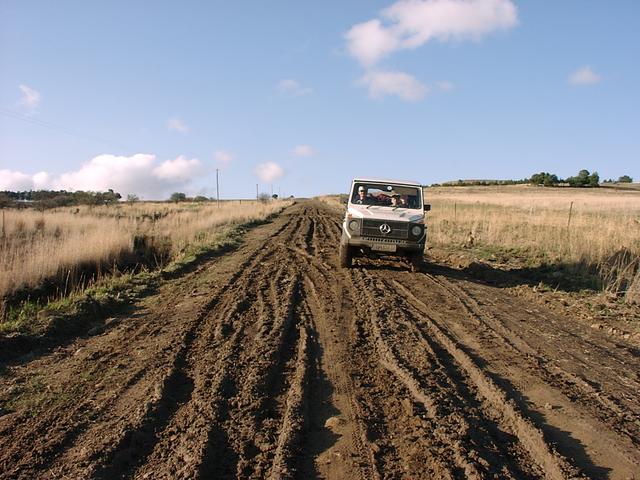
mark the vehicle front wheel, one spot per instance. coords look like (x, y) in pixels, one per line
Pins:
(417, 261)
(346, 256)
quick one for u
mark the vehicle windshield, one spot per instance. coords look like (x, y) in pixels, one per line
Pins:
(386, 195)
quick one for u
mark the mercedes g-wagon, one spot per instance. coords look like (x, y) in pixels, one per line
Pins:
(384, 218)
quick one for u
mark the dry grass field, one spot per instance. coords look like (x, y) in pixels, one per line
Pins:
(37, 246)
(584, 230)
(561, 224)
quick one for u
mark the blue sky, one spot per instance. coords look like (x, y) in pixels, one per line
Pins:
(152, 97)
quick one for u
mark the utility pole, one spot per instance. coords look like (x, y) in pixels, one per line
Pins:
(256, 191)
(217, 189)
(272, 190)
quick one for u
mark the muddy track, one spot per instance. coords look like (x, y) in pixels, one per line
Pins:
(271, 362)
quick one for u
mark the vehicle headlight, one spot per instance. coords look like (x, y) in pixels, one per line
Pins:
(416, 230)
(354, 225)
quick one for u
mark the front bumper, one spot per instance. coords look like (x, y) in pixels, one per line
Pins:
(402, 246)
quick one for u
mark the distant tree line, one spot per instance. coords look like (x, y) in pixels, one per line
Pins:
(178, 197)
(43, 199)
(57, 198)
(584, 178)
(544, 178)
(622, 179)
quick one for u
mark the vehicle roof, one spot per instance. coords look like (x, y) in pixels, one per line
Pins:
(387, 180)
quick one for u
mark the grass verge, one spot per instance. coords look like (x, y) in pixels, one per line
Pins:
(31, 325)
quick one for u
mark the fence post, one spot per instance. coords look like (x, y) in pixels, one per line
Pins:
(569, 225)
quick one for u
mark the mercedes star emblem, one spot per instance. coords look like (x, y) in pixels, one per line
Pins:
(385, 229)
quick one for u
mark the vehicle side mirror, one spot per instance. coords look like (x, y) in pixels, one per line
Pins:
(427, 207)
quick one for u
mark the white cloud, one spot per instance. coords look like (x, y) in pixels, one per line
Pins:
(15, 181)
(303, 151)
(584, 76)
(411, 23)
(445, 86)
(223, 157)
(41, 180)
(140, 174)
(268, 172)
(108, 171)
(177, 125)
(417, 21)
(400, 84)
(178, 170)
(293, 88)
(30, 97)
(370, 41)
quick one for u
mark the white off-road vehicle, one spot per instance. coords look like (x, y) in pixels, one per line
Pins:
(384, 218)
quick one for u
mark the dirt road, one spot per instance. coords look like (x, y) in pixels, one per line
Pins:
(271, 362)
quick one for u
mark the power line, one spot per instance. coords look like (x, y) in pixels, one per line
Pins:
(217, 189)
(52, 126)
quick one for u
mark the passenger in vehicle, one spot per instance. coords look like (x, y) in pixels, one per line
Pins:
(396, 200)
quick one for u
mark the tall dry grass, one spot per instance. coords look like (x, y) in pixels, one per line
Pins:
(564, 225)
(39, 245)
(333, 201)
(591, 229)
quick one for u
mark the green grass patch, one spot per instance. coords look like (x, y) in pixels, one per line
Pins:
(36, 394)
(19, 319)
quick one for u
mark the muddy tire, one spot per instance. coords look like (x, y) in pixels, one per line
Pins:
(346, 256)
(417, 262)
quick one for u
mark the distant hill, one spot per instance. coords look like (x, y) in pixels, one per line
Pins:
(467, 182)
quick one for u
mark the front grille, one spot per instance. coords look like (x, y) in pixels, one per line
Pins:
(399, 230)
(385, 240)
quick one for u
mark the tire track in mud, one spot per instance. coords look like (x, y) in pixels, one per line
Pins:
(252, 405)
(355, 457)
(295, 414)
(454, 419)
(554, 466)
(159, 401)
(568, 398)
(392, 459)
(622, 414)
(115, 454)
(349, 455)
(118, 398)
(231, 366)
(61, 428)
(289, 367)
(526, 425)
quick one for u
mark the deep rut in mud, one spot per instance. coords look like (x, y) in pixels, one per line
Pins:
(271, 362)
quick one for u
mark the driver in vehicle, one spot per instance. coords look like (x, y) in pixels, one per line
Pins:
(362, 198)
